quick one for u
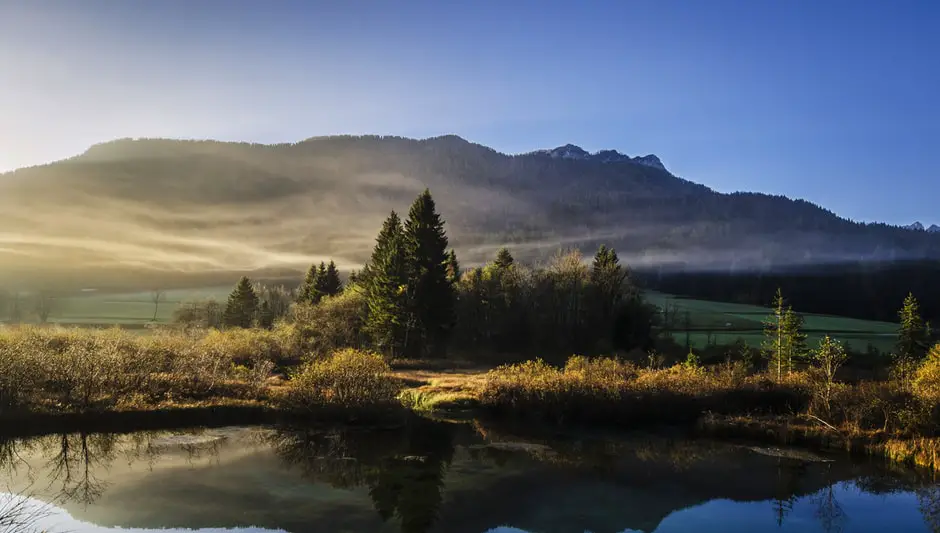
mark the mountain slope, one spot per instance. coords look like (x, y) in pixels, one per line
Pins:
(132, 211)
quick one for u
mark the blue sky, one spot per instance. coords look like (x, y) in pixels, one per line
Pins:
(834, 101)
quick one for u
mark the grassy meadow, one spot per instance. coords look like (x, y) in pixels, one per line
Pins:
(720, 323)
(127, 309)
(723, 323)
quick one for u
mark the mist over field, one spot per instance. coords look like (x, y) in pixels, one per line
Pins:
(162, 212)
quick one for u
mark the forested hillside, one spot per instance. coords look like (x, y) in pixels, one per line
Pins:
(134, 212)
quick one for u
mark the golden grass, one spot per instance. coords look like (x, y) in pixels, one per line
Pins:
(606, 390)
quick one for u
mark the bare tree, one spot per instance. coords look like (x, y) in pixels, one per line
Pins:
(44, 306)
(156, 296)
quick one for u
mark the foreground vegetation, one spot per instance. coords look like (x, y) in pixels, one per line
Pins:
(328, 346)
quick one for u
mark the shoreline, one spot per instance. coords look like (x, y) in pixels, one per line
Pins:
(789, 431)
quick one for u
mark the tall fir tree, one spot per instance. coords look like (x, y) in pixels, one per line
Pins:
(309, 293)
(913, 337)
(332, 285)
(242, 305)
(504, 258)
(386, 286)
(453, 267)
(320, 282)
(431, 297)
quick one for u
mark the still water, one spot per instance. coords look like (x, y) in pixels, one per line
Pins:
(442, 477)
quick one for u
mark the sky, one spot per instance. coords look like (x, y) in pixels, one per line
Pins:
(835, 102)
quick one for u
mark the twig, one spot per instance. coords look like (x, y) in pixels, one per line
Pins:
(823, 422)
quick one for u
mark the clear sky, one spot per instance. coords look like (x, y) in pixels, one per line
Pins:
(835, 101)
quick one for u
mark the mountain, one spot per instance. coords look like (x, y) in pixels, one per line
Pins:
(156, 211)
(570, 151)
(934, 228)
(917, 226)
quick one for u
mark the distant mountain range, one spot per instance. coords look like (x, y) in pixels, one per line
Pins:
(917, 226)
(160, 211)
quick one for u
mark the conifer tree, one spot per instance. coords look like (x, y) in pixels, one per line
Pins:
(265, 315)
(912, 332)
(242, 305)
(453, 267)
(431, 298)
(504, 259)
(308, 293)
(784, 341)
(319, 282)
(387, 289)
(332, 285)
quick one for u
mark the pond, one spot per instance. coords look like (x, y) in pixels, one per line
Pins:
(444, 477)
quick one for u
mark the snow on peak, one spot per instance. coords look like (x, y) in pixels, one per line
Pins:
(933, 228)
(650, 160)
(917, 226)
(571, 151)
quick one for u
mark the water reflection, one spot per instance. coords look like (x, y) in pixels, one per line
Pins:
(428, 477)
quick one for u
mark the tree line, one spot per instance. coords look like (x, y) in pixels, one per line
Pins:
(412, 299)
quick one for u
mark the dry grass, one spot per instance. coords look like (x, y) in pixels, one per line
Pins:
(611, 391)
(47, 369)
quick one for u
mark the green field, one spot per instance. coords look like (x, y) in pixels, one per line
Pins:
(722, 322)
(727, 322)
(126, 309)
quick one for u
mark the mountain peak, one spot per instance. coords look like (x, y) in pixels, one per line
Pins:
(933, 228)
(572, 151)
(650, 160)
(917, 226)
(569, 151)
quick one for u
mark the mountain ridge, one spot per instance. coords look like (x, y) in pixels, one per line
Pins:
(142, 208)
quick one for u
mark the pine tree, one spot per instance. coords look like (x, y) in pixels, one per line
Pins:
(308, 293)
(784, 341)
(242, 305)
(453, 267)
(607, 276)
(912, 333)
(265, 315)
(431, 297)
(504, 259)
(387, 289)
(319, 282)
(332, 285)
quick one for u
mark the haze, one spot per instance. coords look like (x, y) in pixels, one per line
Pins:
(830, 102)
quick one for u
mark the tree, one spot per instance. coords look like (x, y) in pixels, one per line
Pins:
(784, 341)
(829, 356)
(44, 306)
(453, 267)
(330, 284)
(912, 333)
(308, 292)
(242, 305)
(504, 259)
(156, 296)
(387, 289)
(431, 294)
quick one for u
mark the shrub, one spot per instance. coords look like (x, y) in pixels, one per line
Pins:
(926, 382)
(337, 322)
(347, 379)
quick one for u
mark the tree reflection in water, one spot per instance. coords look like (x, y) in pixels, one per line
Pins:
(403, 470)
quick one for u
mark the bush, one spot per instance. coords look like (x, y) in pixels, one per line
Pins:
(337, 322)
(926, 382)
(347, 379)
